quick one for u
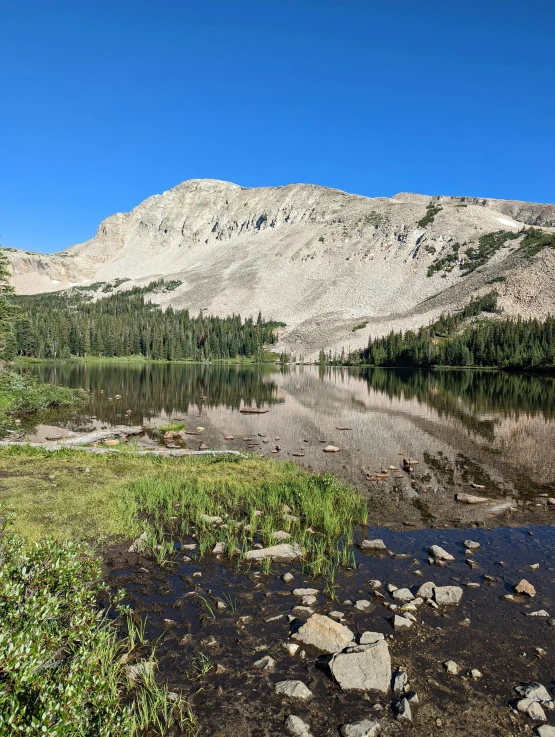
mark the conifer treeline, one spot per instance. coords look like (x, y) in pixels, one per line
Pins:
(124, 324)
(504, 343)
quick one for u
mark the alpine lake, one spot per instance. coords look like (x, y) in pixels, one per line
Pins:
(422, 447)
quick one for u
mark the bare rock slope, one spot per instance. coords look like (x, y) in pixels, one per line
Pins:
(320, 260)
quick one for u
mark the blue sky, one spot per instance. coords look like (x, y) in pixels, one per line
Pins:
(103, 103)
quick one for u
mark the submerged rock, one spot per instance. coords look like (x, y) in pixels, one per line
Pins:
(285, 551)
(324, 634)
(369, 670)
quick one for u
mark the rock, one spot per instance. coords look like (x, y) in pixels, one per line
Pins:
(447, 595)
(525, 587)
(451, 667)
(302, 611)
(362, 605)
(281, 535)
(218, 549)
(400, 681)
(400, 623)
(534, 691)
(189, 546)
(369, 670)
(330, 449)
(374, 584)
(535, 712)
(305, 592)
(295, 726)
(265, 663)
(140, 670)
(291, 647)
(369, 638)
(373, 545)
(339, 616)
(309, 600)
(539, 613)
(285, 551)
(211, 520)
(324, 634)
(391, 587)
(471, 499)
(471, 545)
(439, 553)
(426, 591)
(287, 577)
(365, 728)
(138, 544)
(546, 731)
(203, 446)
(403, 711)
(476, 674)
(403, 595)
(294, 689)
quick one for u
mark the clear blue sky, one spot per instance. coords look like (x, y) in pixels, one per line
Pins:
(105, 102)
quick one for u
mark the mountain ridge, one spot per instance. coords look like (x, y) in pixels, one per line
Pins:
(319, 259)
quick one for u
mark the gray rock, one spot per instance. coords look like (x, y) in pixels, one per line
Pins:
(211, 520)
(451, 667)
(534, 691)
(426, 591)
(218, 549)
(400, 681)
(309, 600)
(281, 535)
(403, 595)
(439, 553)
(373, 545)
(140, 670)
(362, 605)
(265, 663)
(539, 613)
(294, 689)
(369, 670)
(369, 638)
(295, 726)
(324, 634)
(546, 731)
(374, 584)
(535, 712)
(365, 728)
(287, 577)
(276, 552)
(447, 595)
(138, 544)
(400, 623)
(305, 592)
(302, 611)
(471, 545)
(403, 710)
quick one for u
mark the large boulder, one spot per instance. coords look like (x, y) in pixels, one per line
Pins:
(367, 670)
(324, 634)
(276, 552)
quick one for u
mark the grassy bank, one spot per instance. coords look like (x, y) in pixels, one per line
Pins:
(263, 357)
(98, 498)
(23, 397)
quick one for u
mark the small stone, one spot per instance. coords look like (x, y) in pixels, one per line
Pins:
(545, 730)
(403, 595)
(291, 647)
(525, 587)
(295, 726)
(330, 449)
(451, 667)
(324, 634)
(189, 546)
(400, 682)
(139, 544)
(391, 587)
(471, 545)
(281, 535)
(276, 552)
(294, 689)
(534, 691)
(373, 545)
(219, 549)
(540, 652)
(448, 595)
(535, 712)
(305, 592)
(426, 591)
(287, 577)
(302, 611)
(539, 613)
(374, 584)
(476, 674)
(362, 605)
(471, 499)
(139, 670)
(265, 663)
(309, 600)
(403, 711)
(364, 728)
(439, 553)
(369, 638)
(401, 623)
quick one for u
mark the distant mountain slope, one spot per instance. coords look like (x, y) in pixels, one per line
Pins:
(321, 260)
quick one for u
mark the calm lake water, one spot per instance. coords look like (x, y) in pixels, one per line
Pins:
(493, 429)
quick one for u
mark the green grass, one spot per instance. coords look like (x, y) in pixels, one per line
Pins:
(171, 427)
(71, 494)
(360, 326)
(62, 658)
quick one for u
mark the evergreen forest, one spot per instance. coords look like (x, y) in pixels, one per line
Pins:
(126, 323)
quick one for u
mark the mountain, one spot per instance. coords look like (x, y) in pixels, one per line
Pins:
(320, 260)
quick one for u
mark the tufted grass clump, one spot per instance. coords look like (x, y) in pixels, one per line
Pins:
(62, 669)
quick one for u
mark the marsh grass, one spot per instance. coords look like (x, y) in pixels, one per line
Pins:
(170, 427)
(62, 657)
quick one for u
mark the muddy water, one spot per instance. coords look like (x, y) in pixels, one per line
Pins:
(480, 433)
